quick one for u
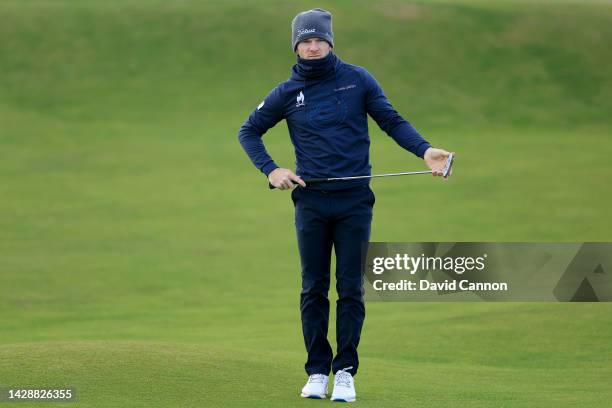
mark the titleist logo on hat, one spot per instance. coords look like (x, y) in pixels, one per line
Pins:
(306, 30)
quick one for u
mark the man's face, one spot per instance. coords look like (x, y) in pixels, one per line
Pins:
(313, 48)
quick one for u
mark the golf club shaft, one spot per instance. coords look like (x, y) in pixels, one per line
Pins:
(407, 173)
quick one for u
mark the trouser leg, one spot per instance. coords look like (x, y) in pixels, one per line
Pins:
(314, 237)
(351, 230)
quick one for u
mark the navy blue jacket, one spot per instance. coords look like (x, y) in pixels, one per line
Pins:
(325, 102)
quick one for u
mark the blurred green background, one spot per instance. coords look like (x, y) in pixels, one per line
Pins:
(144, 261)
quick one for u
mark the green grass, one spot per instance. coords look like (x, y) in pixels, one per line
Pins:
(144, 262)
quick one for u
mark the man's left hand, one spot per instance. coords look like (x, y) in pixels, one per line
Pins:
(436, 161)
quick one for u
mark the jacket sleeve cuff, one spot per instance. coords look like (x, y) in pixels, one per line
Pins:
(422, 149)
(267, 169)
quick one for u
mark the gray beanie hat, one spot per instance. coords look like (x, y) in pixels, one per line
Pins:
(312, 24)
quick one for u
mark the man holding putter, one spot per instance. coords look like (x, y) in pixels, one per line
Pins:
(325, 103)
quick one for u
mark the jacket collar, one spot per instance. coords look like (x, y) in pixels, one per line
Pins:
(315, 68)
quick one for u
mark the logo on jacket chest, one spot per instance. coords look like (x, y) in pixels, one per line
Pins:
(345, 88)
(299, 100)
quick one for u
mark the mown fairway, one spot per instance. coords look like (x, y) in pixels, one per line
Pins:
(144, 262)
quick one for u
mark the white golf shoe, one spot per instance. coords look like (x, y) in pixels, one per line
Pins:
(344, 386)
(316, 387)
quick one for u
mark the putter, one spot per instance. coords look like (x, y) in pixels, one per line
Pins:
(445, 173)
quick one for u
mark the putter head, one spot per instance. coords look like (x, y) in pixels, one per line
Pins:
(449, 165)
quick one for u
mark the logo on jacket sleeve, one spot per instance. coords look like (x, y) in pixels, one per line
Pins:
(261, 105)
(299, 100)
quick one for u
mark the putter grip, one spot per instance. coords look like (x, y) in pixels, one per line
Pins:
(309, 181)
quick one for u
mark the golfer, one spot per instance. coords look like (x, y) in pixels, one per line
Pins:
(325, 103)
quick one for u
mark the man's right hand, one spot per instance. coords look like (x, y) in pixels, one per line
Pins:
(283, 179)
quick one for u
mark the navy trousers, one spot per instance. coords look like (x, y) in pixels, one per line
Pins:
(326, 219)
